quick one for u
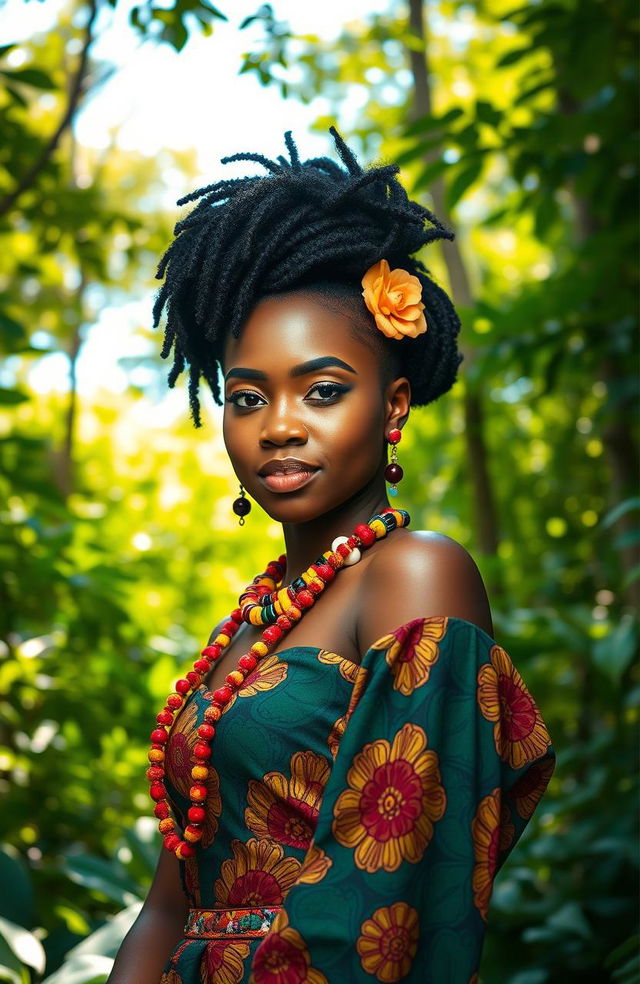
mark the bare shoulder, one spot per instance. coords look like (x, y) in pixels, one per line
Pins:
(417, 574)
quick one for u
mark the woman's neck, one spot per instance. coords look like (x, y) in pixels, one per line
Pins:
(305, 542)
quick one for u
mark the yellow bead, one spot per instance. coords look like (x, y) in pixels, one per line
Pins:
(236, 677)
(398, 517)
(260, 648)
(166, 826)
(199, 772)
(156, 755)
(293, 613)
(255, 616)
(212, 714)
(222, 639)
(306, 576)
(378, 528)
(193, 835)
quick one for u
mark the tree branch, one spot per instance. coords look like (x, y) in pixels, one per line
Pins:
(75, 92)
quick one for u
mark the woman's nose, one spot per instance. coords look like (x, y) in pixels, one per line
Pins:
(282, 425)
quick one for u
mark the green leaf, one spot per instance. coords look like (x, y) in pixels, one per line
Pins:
(101, 876)
(513, 57)
(27, 947)
(430, 173)
(487, 113)
(622, 508)
(613, 654)
(10, 397)
(30, 76)
(463, 180)
(430, 122)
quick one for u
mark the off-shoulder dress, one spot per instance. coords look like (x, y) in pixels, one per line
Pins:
(358, 814)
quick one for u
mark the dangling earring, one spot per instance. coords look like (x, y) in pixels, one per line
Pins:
(241, 506)
(393, 472)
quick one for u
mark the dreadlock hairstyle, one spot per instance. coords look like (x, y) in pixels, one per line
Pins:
(311, 225)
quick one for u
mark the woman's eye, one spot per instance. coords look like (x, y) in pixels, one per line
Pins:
(327, 392)
(245, 399)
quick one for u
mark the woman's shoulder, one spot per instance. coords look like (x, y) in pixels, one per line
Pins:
(418, 574)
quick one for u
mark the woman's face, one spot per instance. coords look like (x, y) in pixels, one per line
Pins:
(305, 415)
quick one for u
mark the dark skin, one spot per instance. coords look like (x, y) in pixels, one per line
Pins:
(335, 415)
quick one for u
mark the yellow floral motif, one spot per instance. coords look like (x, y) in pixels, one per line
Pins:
(314, 867)
(394, 798)
(388, 942)
(338, 729)
(269, 672)
(286, 810)
(347, 669)
(223, 962)
(486, 846)
(283, 957)
(412, 650)
(519, 733)
(259, 874)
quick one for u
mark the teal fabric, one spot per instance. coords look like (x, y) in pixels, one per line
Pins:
(374, 803)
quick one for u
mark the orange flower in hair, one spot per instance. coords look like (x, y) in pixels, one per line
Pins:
(394, 299)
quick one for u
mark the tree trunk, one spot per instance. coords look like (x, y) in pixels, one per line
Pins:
(621, 450)
(484, 503)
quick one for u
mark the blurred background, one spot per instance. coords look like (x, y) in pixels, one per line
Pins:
(518, 125)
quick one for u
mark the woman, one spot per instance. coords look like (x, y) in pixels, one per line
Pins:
(352, 757)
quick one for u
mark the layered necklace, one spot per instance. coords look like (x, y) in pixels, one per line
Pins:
(265, 602)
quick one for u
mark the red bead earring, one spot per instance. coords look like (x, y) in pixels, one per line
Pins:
(241, 506)
(393, 472)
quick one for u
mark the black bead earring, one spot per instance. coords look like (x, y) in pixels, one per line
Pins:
(241, 506)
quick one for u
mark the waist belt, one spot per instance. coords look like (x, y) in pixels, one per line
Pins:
(211, 924)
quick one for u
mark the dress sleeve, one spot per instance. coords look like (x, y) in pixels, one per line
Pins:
(440, 761)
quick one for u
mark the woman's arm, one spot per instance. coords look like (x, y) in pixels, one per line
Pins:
(147, 945)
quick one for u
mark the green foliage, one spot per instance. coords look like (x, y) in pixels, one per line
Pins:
(118, 548)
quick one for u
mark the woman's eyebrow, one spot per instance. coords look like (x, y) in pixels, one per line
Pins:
(324, 362)
(313, 365)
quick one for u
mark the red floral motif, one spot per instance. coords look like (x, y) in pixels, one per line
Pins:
(286, 810)
(519, 732)
(388, 942)
(283, 957)
(528, 790)
(223, 962)
(258, 874)
(179, 763)
(486, 846)
(394, 798)
(412, 650)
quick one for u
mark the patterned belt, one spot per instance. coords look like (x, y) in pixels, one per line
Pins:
(211, 924)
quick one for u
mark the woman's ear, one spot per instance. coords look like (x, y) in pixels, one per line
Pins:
(398, 403)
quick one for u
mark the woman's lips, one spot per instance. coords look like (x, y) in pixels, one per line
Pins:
(287, 481)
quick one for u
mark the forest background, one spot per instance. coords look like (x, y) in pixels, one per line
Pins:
(518, 125)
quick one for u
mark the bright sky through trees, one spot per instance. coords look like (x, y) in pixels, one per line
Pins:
(157, 99)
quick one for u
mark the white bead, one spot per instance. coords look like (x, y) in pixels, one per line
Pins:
(351, 558)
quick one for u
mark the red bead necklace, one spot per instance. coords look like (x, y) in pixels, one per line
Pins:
(264, 601)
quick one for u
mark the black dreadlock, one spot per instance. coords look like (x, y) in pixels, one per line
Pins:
(304, 225)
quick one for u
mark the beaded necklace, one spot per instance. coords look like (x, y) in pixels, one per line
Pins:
(264, 602)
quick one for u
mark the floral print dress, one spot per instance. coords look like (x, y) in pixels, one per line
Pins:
(357, 815)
